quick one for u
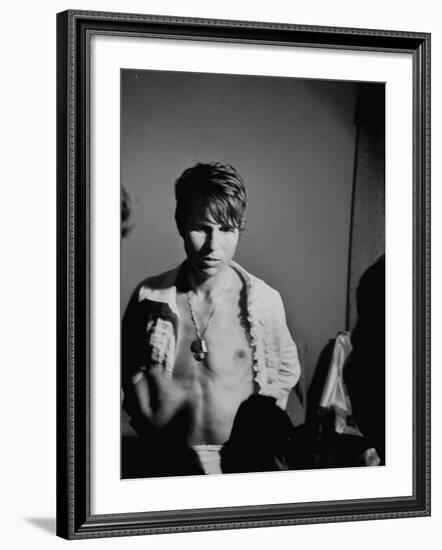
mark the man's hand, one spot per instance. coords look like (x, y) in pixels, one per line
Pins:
(165, 424)
(168, 399)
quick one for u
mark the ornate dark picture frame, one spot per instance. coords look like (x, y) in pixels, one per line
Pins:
(74, 517)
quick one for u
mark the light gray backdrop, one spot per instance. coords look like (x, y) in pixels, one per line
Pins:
(293, 142)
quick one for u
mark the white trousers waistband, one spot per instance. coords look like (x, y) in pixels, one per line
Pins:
(210, 458)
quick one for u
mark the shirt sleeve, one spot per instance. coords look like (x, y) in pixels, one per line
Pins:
(133, 352)
(289, 370)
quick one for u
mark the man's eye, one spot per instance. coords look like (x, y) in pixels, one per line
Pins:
(227, 228)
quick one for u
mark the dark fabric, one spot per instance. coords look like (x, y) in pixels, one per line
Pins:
(364, 373)
(159, 453)
(323, 446)
(315, 419)
(262, 439)
(133, 350)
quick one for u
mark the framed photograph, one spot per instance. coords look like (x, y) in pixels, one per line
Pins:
(243, 274)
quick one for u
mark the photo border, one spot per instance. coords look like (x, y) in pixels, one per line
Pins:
(74, 31)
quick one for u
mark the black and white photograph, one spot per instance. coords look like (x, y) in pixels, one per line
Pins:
(222, 266)
(252, 274)
(243, 274)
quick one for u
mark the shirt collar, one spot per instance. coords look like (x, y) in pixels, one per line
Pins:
(163, 288)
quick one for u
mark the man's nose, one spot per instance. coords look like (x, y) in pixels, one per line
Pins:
(213, 239)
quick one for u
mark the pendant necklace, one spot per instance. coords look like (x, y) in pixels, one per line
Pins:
(198, 347)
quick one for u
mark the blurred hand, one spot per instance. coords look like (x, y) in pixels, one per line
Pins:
(169, 399)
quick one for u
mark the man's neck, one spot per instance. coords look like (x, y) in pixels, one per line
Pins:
(207, 289)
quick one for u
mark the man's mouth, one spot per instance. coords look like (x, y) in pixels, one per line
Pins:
(210, 261)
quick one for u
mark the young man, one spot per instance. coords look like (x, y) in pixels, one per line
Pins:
(207, 358)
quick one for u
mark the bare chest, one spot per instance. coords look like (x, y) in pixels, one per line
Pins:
(225, 378)
(226, 334)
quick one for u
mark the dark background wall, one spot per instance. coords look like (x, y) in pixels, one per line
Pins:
(292, 140)
(367, 236)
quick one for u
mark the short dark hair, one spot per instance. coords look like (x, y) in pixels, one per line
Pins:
(219, 186)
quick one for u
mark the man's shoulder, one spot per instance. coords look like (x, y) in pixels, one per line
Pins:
(265, 288)
(158, 284)
(261, 289)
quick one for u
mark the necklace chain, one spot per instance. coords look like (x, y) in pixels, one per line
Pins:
(199, 345)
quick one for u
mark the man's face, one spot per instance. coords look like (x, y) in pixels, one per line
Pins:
(209, 246)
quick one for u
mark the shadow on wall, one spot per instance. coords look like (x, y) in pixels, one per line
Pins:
(126, 206)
